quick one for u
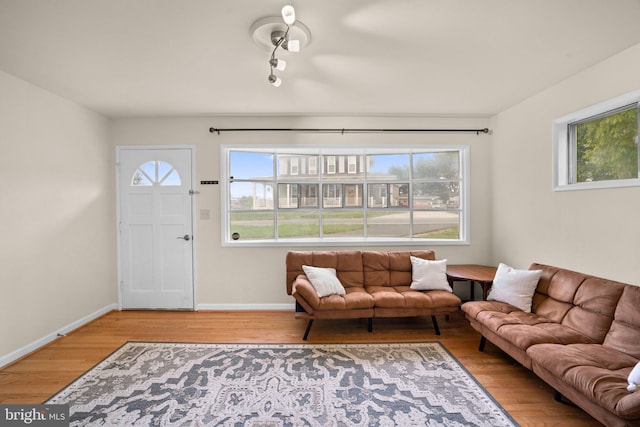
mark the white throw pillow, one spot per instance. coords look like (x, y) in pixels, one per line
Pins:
(634, 378)
(515, 287)
(429, 275)
(324, 280)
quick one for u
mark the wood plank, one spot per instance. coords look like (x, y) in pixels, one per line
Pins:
(38, 376)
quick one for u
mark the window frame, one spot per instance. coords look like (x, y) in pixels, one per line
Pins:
(564, 153)
(157, 180)
(323, 153)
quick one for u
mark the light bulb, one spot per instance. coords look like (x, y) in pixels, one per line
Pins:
(288, 14)
(293, 45)
(275, 80)
(278, 64)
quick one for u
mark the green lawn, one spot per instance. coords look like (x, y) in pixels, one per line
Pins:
(258, 225)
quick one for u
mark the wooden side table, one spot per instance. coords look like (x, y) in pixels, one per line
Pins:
(473, 273)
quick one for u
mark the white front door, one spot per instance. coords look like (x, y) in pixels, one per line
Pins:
(155, 226)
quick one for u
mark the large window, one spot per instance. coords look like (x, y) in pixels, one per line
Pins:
(318, 195)
(598, 147)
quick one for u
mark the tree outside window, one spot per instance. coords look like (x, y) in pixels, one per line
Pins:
(605, 146)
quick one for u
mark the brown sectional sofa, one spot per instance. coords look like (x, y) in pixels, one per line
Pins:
(377, 284)
(582, 337)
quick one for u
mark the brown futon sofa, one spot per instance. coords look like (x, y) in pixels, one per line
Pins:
(377, 284)
(582, 337)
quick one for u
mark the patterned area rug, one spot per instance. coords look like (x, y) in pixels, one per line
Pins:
(182, 384)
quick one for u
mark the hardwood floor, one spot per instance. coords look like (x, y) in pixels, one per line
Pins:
(38, 376)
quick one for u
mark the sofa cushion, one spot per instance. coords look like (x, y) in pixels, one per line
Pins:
(429, 275)
(390, 268)
(521, 329)
(405, 297)
(555, 292)
(348, 266)
(515, 287)
(354, 298)
(580, 301)
(593, 308)
(473, 308)
(597, 371)
(624, 334)
(324, 280)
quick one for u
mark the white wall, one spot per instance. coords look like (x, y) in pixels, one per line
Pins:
(57, 220)
(255, 277)
(592, 231)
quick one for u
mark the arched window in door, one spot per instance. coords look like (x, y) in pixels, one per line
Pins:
(155, 172)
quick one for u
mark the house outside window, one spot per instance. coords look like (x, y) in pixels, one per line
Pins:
(401, 195)
(331, 164)
(294, 167)
(352, 164)
(598, 147)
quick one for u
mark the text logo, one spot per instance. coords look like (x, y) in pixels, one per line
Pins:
(34, 415)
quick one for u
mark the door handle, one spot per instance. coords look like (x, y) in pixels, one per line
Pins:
(185, 237)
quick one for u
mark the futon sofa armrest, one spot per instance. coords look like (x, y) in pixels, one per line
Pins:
(305, 294)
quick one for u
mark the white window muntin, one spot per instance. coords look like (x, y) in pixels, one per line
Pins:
(323, 153)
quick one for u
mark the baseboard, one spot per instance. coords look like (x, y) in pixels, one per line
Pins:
(246, 306)
(21, 352)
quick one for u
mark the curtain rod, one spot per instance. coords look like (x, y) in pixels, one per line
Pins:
(344, 130)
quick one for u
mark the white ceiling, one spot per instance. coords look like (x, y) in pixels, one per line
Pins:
(395, 57)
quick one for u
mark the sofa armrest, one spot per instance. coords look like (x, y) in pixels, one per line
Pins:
(305, 294)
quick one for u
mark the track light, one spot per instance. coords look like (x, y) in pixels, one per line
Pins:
(278, 64)
(280, 34)
(293, 46)
(275, 80)
(288, 14)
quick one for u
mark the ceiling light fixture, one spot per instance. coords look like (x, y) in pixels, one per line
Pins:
(281, 40)
(280, 34)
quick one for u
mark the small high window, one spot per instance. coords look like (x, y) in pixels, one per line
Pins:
(604, 147)
(598, 147)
